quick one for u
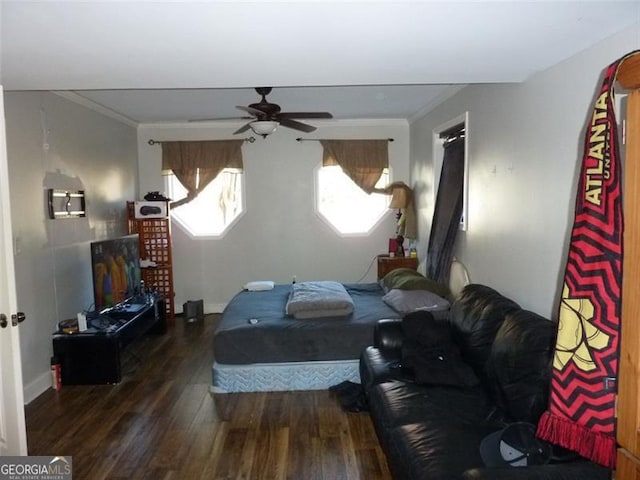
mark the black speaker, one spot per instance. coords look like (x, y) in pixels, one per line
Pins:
(193, 310)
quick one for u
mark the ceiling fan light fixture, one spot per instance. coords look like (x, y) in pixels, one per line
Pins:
(264, 127)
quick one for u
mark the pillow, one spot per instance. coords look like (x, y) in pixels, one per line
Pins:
(259, 285)
(407, 301)
(408, 279)
(397, 274)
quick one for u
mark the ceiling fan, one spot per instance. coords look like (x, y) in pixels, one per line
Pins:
(265, 116)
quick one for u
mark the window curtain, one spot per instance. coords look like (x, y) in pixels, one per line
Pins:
(195, 164)
(447, 212)
(362, 160)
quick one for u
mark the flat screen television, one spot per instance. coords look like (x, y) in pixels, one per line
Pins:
(115, 268)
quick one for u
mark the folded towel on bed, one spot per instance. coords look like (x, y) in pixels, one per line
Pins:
(318, 299)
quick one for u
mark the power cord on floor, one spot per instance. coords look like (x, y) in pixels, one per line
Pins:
(373, 260)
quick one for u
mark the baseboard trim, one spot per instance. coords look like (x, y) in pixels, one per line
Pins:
(214, 307)
(208, 308)
(37, 387)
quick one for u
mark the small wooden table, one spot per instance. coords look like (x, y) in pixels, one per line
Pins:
(386, 264)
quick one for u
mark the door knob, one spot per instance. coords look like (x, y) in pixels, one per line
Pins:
(17, 318)
(3, 320)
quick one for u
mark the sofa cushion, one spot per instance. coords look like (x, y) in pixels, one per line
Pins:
(519, 365)
(434, 451)
(475, 318)
(398, 403)
(379, 365)
(431, 353)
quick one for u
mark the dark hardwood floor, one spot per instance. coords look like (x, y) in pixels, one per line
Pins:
(161, 422)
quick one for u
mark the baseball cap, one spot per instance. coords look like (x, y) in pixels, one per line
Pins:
(515, 445)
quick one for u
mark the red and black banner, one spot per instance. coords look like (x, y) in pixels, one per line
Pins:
(581, 415)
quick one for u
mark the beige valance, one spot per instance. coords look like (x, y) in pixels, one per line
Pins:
(362, 160)
(209, 154)
(196, 163)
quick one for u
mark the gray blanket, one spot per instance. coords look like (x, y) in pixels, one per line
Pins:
(318, 299)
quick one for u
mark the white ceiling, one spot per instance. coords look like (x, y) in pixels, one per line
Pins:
(162, 61)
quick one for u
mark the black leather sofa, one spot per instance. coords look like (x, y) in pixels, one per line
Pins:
(436, 388)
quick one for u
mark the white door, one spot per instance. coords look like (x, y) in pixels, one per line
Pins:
(13, 436)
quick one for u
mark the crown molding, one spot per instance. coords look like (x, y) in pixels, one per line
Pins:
(96, 107)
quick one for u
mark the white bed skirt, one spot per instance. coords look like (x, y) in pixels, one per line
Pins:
(274, 377)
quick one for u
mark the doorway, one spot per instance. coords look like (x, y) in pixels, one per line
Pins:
(13, 437)
(450, 197)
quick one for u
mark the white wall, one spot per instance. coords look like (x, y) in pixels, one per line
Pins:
(54, 143)
(280, 235)
(1, 14)
(525, 150)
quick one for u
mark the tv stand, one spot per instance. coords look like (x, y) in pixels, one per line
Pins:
(94, 355)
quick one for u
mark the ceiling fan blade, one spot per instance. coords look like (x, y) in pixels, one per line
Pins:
(218, 118)
(305, 115)
(303, 127)
(253, 111)
(243, 129)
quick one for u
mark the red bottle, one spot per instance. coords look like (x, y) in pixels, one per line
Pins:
(56, 374)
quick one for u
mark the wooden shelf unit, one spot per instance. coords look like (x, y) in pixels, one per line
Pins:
(628, 427)
(154, 237)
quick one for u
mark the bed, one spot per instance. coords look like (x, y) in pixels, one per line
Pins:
(258, 347)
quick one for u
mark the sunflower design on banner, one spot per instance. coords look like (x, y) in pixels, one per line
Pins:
(577, 335)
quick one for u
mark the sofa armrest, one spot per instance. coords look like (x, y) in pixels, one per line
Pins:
(388, 334)
(557, 471)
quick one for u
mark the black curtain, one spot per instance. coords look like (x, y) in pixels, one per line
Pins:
(447, 212)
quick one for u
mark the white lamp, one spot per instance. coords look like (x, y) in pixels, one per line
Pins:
(264, 127)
